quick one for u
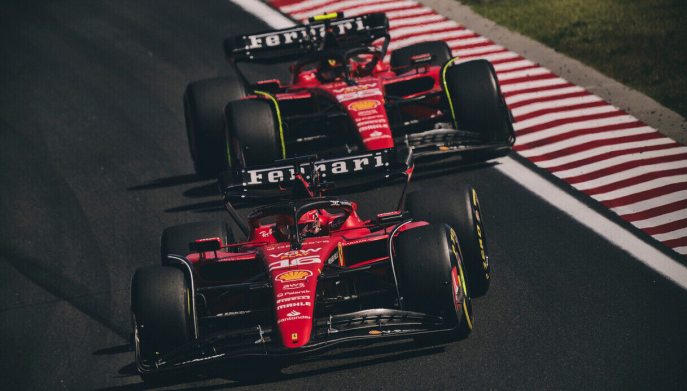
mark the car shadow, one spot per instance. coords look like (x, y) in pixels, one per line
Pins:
(241, 373)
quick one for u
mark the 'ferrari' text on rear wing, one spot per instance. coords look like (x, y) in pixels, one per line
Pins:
(303, 41)
(274, 180)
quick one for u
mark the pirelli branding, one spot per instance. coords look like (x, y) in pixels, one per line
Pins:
(325, 168)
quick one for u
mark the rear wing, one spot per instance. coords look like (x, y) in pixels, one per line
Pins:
(284, 178)
(304, 41)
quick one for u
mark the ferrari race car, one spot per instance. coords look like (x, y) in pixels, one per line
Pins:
(311, 274)
(343, 98)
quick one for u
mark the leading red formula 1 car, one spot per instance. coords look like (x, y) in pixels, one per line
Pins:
(311, 274)
(344, 99)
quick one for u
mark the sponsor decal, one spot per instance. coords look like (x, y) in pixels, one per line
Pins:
(234, 313)
(285, 263)
(333, 258)
(295, 317)
(292, 298)
(296, 253)
(355, 88)
(298, 34)
(368, 121)
(368, 113)
(363, 105)
(372, 127)
(334, 166)
(266, 234)
(359, 94)
(295, 285)
(380, 332)
(376, 137)
(364, 240)
(293, 275)
(292, 293)
(293, 313)
(291, 305)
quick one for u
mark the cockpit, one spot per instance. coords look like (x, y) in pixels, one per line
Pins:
(295, 221)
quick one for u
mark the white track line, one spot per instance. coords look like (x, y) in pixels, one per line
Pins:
(544, 189)
(603, 226)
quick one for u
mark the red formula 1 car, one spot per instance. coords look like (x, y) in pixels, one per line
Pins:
(344, 99)
(311, 274)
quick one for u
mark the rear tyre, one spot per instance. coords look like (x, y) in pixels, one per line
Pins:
(476, 102)
(401, 58)
(176, 239)
(160, 302)
(204, 102)
(431, 277)
(464, 215)
(253, 127)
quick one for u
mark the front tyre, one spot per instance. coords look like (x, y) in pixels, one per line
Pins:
(162, 313)
(431, 277)
(475, 101)
(464, 215)
(204, 102)
(253, 126)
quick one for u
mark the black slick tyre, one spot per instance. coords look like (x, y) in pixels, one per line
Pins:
(176, 239)
(462, 212)
(401, 58)
(161, 306)
(253, 126)
(204, 102)
(431, 277)
(476, 102)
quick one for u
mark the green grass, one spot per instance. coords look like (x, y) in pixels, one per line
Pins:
(642, 44)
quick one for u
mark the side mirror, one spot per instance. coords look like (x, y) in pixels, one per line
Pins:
(205, 245)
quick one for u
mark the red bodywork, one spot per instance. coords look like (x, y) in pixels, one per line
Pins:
(362, 99)
(293, 274)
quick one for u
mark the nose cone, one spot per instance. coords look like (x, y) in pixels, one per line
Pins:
(294, 276)
(294, 292)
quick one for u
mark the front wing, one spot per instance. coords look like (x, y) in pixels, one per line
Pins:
(365, 326)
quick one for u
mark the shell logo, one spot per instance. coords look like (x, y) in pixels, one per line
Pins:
(363, 105)
(293, 275)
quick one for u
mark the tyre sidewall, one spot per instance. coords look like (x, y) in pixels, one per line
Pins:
(161, 308)
(476, 101)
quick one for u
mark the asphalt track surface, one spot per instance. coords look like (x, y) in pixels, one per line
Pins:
(94, 164)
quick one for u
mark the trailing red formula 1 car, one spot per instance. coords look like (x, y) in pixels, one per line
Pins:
(344, 99)
(311, 274)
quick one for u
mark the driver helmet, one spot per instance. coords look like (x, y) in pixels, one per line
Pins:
(331, 68)
(309, 224)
